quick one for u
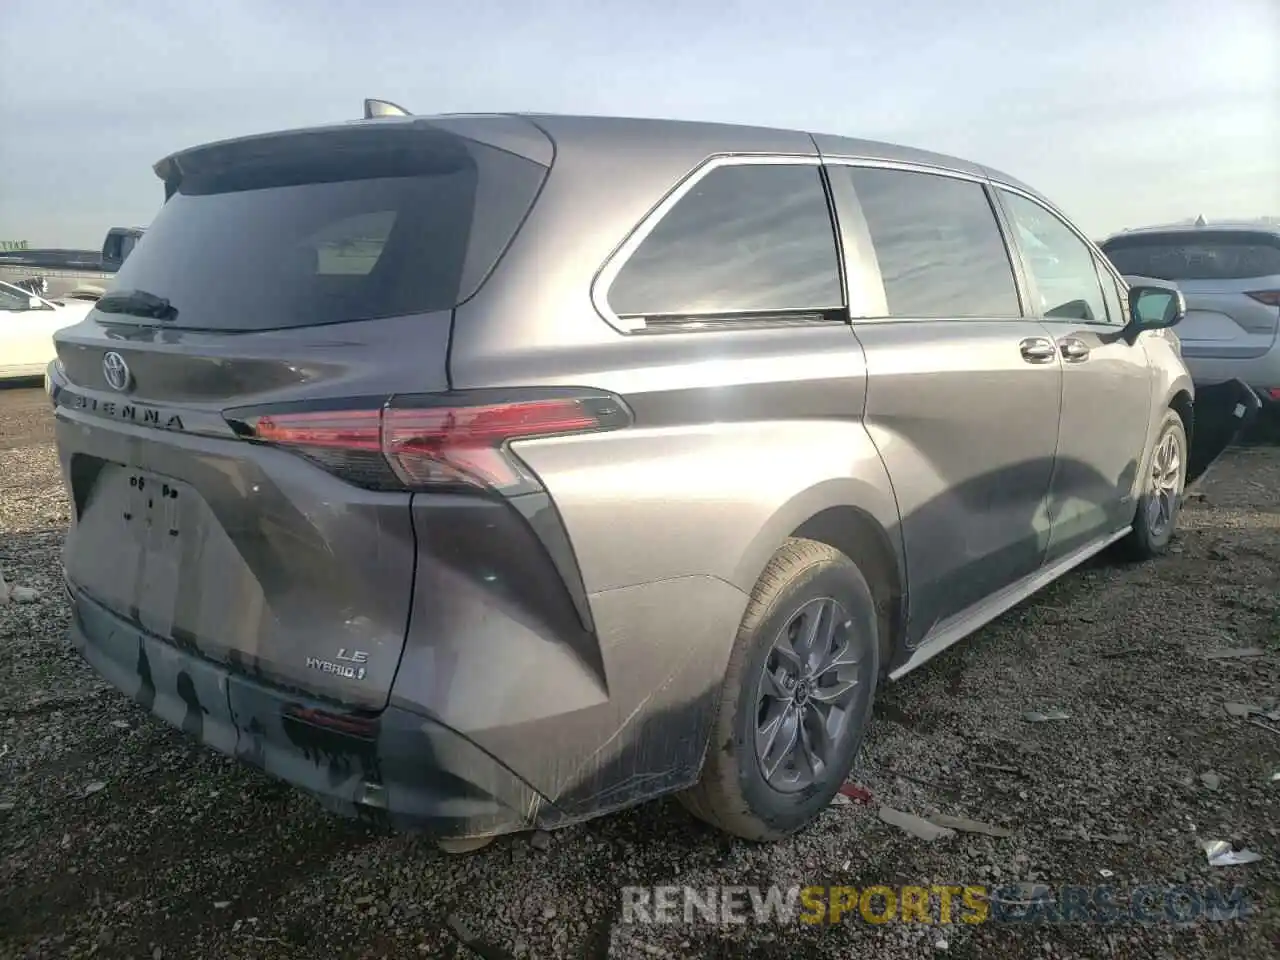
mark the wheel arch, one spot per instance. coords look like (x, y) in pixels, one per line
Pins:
(861, 521)
(857, 535)
(1183, 404)
(1172, 391)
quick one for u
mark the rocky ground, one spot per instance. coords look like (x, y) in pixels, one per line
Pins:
(120, 838)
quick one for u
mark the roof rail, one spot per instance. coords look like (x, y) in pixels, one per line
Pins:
(383, 108)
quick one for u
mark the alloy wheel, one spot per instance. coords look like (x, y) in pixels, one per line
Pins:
(806, 696)
(1166, 485)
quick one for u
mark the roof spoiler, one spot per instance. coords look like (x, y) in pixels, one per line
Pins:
(170, 169)
(383, 108)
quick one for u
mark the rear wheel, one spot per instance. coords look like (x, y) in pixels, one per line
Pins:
(1160, 502)
(797, 696)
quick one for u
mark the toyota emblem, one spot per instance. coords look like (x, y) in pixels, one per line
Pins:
(115, 371)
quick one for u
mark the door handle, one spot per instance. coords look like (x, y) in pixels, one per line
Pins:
(1038, 350)
(1073, 349)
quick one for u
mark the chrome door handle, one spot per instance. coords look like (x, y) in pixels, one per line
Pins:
(1038, 350)
(1073, 349)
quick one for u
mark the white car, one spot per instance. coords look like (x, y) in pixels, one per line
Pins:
(27, 325)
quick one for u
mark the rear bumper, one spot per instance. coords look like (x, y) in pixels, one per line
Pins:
(395, 767)
(1261, 373)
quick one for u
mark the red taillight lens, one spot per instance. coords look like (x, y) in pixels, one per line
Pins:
(422, 444)
(1270, 297)
(338, 429)
(428, 446)
(347, 443)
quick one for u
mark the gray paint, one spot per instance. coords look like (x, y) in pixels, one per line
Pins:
(587, 670)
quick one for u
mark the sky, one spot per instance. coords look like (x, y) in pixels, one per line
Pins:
(1123, 112)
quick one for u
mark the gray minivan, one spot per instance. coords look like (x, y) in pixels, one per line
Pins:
(483, 473)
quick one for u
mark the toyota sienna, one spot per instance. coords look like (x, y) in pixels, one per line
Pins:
(492, 472)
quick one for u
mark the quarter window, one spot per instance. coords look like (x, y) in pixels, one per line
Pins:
(1111, 294)
(1061, 264)
(938, 245)
(746, 239)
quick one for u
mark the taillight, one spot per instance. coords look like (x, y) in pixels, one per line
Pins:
(424, 443)
(467, 444)
(1270, 297)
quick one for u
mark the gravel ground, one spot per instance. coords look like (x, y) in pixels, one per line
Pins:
(118, 837)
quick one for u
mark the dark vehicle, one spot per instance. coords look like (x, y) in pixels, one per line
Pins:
(495, 472)
(79, 274)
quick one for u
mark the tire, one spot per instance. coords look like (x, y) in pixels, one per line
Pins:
(733, 793)
(1148, 538)
(464, 846)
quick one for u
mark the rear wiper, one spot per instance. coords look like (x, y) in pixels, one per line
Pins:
(136, 303)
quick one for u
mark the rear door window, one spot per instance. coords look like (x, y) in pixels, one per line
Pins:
(1199, 255)
(938, 245)
(331, 227)
(747, 239)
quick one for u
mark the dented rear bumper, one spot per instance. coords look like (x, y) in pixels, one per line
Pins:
(395, 766)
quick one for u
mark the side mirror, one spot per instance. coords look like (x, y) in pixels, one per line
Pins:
(1155, 308)
(35, 303)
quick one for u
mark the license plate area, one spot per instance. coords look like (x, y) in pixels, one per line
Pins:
(154, 516)
(138, 533)
(152, 513)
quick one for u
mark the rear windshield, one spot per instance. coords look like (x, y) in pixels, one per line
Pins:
(304, 230)
(1201, 255)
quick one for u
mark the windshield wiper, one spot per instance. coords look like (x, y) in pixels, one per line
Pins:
(136, 303)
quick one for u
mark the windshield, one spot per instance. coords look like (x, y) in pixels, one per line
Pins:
(1198, 255)
(331, 229)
